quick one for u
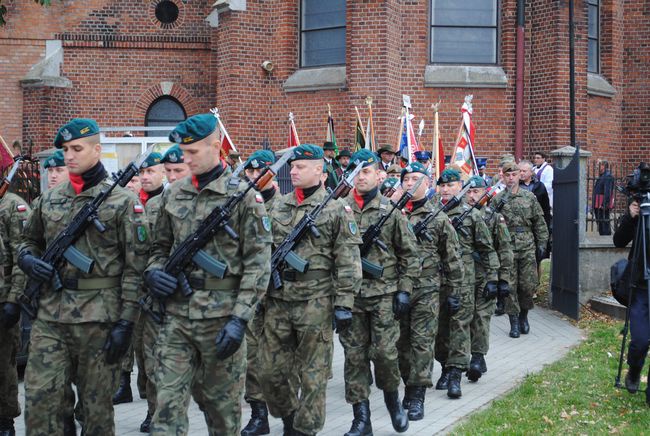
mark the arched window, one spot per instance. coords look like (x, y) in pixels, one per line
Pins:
(165, 111)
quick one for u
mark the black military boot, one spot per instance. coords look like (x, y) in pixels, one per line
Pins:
(69, 427)
(524, 327)
(453, 391)
(288, 425)
(259, 422)
(7, 427)
(416, 404)
(483, 365)
(123, 394)
(397, 414)
(514, 326)
(633, 379)
(361, 425)
(474, 372)
(501, 307)
(443, 381)
(145, 427)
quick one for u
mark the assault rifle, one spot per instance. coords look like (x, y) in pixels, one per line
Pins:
(62, 247)
(6, 182)
(487, 196)
(191, 249)
(284, 254)
(421, 228)
(371, 237)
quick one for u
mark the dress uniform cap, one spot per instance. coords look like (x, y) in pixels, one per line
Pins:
(449, 175)
(414, 167)
(328, 145)
(75, 129)
(481, 162)
(260, 159)
(194, 129)
(385, 149)
(153, 159)
(307, 152)
(174, 154)
(422, 155)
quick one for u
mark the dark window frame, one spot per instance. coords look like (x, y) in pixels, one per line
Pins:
(302, 31)
(595, 4)
(153, 103)
(496, 27)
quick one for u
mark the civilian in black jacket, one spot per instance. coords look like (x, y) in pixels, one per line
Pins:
(528, 182)
(602, 199)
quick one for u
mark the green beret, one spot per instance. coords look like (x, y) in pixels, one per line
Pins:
(449, 175)
(328, 145)
(56, 160)
(477, 182)
(75, 129)
(153, 159)
(260, 159)
(307, 152)
(414, 167)
(509, 167)
(365, 156)
(389, 183)
(194, 129)
(174, 154)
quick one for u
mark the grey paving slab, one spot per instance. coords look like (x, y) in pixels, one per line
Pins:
(509, 361)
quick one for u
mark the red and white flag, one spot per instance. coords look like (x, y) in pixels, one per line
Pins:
(293, 134)
(463, 155)
(438, 152)
(227, 146)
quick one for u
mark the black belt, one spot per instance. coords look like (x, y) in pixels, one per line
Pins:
(215, 284)
(291, 275)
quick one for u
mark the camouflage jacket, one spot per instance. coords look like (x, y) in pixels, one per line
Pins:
(152, 208)
(524, 218)
(501, 240)
(442, 255)
(14, 212)
(119, 254)
(401, 261)
(336, 251)
(182, 210)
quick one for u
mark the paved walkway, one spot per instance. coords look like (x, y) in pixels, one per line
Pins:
(508, 362)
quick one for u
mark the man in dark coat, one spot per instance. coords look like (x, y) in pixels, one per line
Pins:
(602, 198)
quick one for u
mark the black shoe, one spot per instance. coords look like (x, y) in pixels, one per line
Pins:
(524, 327)
(474, 372)
(123, 394)
(7, 427)
(361, 425)
(287, 421)
(416, 404)
(453, 391)
(145, 427)
(633, 379)
(443, 381)
(483, 365)
(397, 414)
(514, 326)
(69, 427)
(259, 422)
(408, 393)
(501, 307)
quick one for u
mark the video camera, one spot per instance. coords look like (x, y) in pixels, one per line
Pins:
(638, 183)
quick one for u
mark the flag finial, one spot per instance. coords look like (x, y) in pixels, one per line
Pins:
(468, 102)
(369, 101)
(215, 112)
(436, 106)
(291, 118)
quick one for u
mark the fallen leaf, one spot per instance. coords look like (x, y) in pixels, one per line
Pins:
(547, 420)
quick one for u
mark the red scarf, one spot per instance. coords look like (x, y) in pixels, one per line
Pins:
(300, 195)
(358, 199)
(144, 197)
(77, 182)
(409, 205)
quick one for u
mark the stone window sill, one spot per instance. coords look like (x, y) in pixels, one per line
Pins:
(464, 76)
(316, 79)
(599, 86)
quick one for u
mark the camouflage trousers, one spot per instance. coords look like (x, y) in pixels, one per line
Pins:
(148, 337)
(58, 355)
(417, 338)
(187, 363)
(524, 282)
(254, 331)
(453, 343)
(372, 335)
(9, 344)
(135, 350)
(297, 345)
(480, 325)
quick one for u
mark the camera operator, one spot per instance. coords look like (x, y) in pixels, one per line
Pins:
(638, 307)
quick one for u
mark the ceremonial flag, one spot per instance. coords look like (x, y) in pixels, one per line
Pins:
(463, 155)
(293, 134)
(331, 137)
(408, 141)
(437, 151)
(227, 146)
(370, 131)
(359, 136)
(6, 156)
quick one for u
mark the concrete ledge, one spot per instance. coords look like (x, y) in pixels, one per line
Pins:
(464, 76)
(47, 71)
(599, 86)
(316, 79)
(608, 305)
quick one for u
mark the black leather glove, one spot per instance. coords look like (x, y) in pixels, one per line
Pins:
(503, 288)
(35, 267)
(342, 318)
(401, 304)
(453, 304)
(540, 253)
(230, 337)
(161, 284)
(490, 290)
(10, 315)
(118, 341)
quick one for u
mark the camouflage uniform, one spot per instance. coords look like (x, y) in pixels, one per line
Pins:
(418, 330)
(528, 231)
(186, 353)
(297, 336)
(374, 331)
(72, 326)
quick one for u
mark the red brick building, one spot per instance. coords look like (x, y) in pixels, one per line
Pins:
(114, 60)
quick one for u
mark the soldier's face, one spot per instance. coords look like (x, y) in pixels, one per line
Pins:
(203, 155)
(152, 178)
(176, 171)
(367, 179)
(381, 177)
(306, 173)
(409, 182)
(448, 190)
(81, 154)
(474, 195)
(134, 185)
(511, 178)
(344, 161)
(56, 175)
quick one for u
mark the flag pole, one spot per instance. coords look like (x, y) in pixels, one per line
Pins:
(436, 138)
(223, 130)
(371, 127)
(468, 101)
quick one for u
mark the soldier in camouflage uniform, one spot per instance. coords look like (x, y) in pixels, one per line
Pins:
(381, 302)
(259, 422)
(453, 342)
(82, 331)
(218, 309)
(297, 337)
(13, 214)
(175, 168)
(418, 329)
(484, 307)
(57, 172)
(529, 235)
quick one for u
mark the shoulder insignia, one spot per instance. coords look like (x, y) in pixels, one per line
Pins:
(141, 233)
(21, 208)
(258, 198)
(266, 223)
(353, 227)
(138, 208)
(348, 209)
